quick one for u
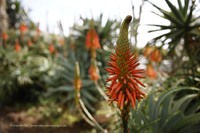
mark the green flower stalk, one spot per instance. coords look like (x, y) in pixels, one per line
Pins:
(124, 87)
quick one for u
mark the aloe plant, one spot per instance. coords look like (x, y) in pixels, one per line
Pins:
(183, 32)
(166, 114)
(61, 84)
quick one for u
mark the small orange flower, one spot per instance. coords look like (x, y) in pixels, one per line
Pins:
(23, 28)
(124, 86)
(61, 42)
(5, 36)
(92, 39)
(29, 42)
(156, 56)
(51, 48)
(17, 46)
(150, 72)
(93, 72)
(153, 56)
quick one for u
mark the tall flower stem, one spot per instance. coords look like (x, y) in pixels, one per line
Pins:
(125, 124)
(100, 90)
(80, 104)
(124, 88)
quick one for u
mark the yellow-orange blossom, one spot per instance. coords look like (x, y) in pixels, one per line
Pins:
(124, 83)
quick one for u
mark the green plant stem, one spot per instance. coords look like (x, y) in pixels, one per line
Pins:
(90, 116)
(125, 124)
(81, 112)
(100, 90)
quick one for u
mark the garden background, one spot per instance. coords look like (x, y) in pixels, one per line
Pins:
(57, 73)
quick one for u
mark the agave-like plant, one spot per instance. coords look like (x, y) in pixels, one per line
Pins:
(165, 113)
(184, 25)
(184, 32)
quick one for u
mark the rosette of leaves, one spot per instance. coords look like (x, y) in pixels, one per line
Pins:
(107, 35)
(61, 85)
(184, 25)
(183, 32)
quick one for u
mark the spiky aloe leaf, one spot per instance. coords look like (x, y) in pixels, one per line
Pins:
(185, 9)
(171, 122)
(191, 119)
(180, 6)
(165, 109)
(180, 102)
(169, 16)
(194, 128)
(175, 11)
(160, 100)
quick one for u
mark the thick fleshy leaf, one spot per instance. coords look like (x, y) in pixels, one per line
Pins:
(162, 97)
(181, 101)
(88, 96)
(169, 16)
(191, 119)
(175, 11)
(194, 128)
(171, 122)
(185, 9)
(189, 17)
(165, 109)
(180, 6)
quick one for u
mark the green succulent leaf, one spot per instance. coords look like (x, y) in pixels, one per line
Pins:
(185, 9)
(162, 97)
(181, 101)
(175, 11)
(165, 109)
(194, 128)
(191, 119)
(180, 6)
(88, 95)
(171, 122)
(169, 16)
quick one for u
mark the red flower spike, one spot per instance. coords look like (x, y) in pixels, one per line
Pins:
(124, 85)
(93, 72)
(92, 38)
(17, 45)
(51, 48)
(4, 36)
(150, 72)
(23, 28)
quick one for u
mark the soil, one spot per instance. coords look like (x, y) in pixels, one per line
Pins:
(13, 121)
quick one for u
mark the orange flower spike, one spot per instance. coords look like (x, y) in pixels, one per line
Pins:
(92, 38)
(93, 71)
(23, 28)
(123, 68)
(51, 48)
(17, 45)
(5, 36)
(150, 72)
